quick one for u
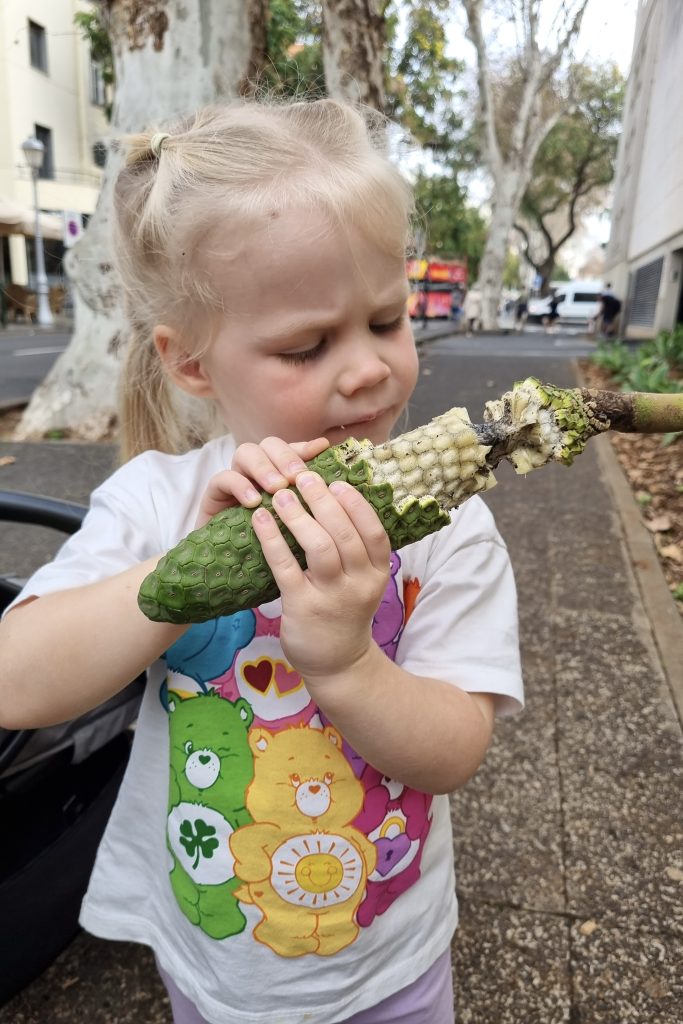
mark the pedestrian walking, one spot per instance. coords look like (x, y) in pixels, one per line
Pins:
(521, 311)
(472, 309)
(550, 321)
(282, 837)
(608, 316)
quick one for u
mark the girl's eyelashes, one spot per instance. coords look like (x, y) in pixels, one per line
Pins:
(296, 358)
(388, 328)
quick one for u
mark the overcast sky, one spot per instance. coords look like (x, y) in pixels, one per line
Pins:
(607, 31)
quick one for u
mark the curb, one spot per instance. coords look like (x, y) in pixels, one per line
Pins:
(8, 404)
(664, 620)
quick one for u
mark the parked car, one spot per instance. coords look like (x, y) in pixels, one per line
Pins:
(579, 302)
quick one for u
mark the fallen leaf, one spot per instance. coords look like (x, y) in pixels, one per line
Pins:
(672, 551)
(7, 460)
(588, 927)
(658, 524)
(675, 874)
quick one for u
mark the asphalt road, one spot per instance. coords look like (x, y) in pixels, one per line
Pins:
(25, 359)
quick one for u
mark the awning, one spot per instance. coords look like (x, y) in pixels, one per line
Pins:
(16, 219)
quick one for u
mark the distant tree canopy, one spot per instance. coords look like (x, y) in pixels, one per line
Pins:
(573, 167)
(453, 229)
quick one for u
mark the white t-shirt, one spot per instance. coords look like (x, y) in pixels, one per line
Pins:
(276, 875)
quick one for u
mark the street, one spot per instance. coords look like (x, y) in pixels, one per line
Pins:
(25, 359)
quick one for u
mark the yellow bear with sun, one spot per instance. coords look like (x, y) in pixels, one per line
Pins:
(302, 863)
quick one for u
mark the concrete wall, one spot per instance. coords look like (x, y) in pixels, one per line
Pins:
(647, 218)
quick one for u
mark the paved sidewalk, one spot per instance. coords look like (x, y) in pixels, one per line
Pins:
(569, 840)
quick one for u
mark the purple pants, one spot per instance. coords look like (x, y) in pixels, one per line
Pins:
(429, 1000)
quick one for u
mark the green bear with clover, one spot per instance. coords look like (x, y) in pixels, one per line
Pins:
(211, 767)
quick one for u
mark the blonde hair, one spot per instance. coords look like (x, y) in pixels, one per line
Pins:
(227, 166)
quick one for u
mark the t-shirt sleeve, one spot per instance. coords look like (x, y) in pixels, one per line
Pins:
(117, 533)
(463, 626)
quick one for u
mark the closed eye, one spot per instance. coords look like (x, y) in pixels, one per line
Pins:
(393, 325)
(296, 358)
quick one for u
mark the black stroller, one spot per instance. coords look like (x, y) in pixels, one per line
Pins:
(57, 788)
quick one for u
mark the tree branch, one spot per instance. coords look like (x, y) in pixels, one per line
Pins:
(473, 9)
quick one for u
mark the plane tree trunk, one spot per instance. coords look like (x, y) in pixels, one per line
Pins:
(170, 57)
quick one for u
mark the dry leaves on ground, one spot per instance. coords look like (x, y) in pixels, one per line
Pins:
(655, 473)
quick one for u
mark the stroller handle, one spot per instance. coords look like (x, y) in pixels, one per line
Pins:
(35, 510)
(38, 510)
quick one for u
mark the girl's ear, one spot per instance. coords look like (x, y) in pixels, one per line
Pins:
(184, 369)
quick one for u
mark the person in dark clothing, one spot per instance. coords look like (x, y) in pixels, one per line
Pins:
(610, 307)
(552, 317)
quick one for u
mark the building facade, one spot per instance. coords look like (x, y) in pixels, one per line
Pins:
(52, 89)
(644, 259)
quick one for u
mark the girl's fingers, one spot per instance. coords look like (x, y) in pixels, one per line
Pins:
(286, 571)
(224, 490)
(365, 521)
(322, 555)
(333, 518)
(274, 463)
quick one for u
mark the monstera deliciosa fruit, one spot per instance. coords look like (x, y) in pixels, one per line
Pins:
(412, 481)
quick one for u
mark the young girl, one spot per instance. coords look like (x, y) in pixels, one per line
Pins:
(282, 837)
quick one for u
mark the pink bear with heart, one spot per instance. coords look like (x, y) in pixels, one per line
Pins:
(397, 820)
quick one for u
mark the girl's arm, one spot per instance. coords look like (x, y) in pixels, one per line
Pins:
(428, 734)
(66, 652)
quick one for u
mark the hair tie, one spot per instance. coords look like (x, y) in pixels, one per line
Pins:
(157, 141)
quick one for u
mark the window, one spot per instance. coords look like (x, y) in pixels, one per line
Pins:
(97, 93)
(37, 46)
(44, 135)
(586, 297)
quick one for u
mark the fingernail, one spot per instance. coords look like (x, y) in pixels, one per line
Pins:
(284, 498)
(274, 480)
(251, 494)
(297, 466)
(262, 515)
(337, 487)
(306, 479)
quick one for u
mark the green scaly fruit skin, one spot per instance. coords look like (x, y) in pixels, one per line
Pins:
(220, 569)
(571, 416)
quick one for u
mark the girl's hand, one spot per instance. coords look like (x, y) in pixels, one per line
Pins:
(327, 609)
(271, 465)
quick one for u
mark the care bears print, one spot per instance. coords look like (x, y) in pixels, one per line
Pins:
(268, 805)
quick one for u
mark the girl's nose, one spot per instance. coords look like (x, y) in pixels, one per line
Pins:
(363, 368)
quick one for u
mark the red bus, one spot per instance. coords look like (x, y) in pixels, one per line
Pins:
(435, 281)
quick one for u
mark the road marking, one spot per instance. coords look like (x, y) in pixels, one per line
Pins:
(39, 351)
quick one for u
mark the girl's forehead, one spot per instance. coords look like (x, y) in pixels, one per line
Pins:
(300, 256)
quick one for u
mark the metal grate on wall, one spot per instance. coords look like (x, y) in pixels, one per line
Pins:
(643, 294)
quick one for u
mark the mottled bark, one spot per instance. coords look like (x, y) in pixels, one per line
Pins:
(353, 50)
(171, 57)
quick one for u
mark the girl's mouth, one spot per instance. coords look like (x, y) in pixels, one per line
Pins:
(360, 421)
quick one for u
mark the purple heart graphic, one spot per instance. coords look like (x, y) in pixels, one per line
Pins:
(390, 852)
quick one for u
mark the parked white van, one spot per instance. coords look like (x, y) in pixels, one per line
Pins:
(579, 302)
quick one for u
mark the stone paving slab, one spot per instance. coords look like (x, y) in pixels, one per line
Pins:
(511, 966)
(622, 975)
(94, 982)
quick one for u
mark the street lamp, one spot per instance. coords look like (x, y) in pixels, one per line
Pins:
(34, 150)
